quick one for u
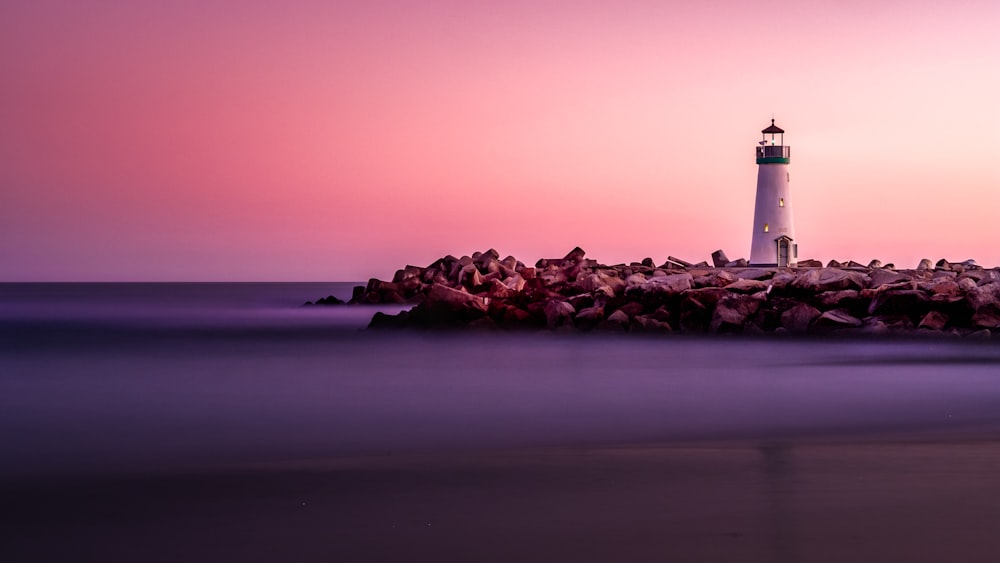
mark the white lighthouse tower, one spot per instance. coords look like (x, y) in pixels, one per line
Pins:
(774, 241)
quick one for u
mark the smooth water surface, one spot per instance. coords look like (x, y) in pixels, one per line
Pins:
(108, 384)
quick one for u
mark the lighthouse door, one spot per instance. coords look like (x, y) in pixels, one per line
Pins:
(784, 247)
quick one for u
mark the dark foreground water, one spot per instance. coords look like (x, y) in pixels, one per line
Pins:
(223, 422)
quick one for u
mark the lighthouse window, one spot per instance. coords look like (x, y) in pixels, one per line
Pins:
(766, 227)
(781, 202)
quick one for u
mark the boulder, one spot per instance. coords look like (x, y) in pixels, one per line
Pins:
(834, 264)
(837, 318)
(881, 277)
(747, 286)
(719, 259)
(670, 284)
(911, 303)
(829, 279)
(696, 307)
(646, 324)
(809, 263)
(617, 321)
(383, 321)
(983, 334)
(845, 298)
(678, 261)
(756, 274)
(987, 317)
(558, 313)
(738, 263)
(648, 262)
(943, 264)
(574, 255)
(497, 290)
(933, 320)
(876, 263)
(588, 318)
(925, 264)
(631, 308)
(407, 273)
(329, 300)
(733, 311)
(799, 317)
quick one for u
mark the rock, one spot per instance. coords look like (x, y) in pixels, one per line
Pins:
(588, 318)
(631, 308)
(329, 300)
(799, 317)
(834, 264)
(845, 298)
(781, 280)
(942, 264)
(635, 280)
(617, 321)
(498, 290)
(717, 278)
(732, 312)
(853, 264)
(987, 317)
(383, 321)
(407, 273)
(881, 277)
(933, 320)
(719, 259)
(678, 261)
(809, 263)
(645, 324)
(601, 281)
(829, 279)
(671, 284)
(357, 294)
(696, 307)
(574, 255)
(924, 264)
(738, 263)
(837, 318)
(756, 274)
(702, 264)
(911, 303)
(647, 262)
(983, 334)
(447, 307)
(747, 286)
(558, 313)
(875, 264)
(470, 277)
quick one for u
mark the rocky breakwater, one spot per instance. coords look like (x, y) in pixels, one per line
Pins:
(574, 293)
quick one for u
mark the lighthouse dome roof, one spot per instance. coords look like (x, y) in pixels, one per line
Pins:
(773, 129)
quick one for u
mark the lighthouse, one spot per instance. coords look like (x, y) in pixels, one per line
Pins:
(774, 241)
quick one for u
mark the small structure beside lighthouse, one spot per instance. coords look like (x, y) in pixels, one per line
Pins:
(774, 241)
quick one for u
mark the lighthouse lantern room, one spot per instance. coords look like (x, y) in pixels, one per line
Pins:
(773, 242)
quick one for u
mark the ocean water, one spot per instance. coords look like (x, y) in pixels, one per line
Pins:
(103, 386)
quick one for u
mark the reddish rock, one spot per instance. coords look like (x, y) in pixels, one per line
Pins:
(732, 312)
(747, 286)
(719, 259)
(934, 320)
(799, 317)
(837, 318)
(558, 313)
(646, 324)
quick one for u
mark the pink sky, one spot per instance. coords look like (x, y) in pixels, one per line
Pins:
(310, 140)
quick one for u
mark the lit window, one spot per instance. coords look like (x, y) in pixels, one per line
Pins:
(766, 227)
(781, 202)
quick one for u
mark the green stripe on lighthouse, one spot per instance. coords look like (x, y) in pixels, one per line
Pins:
(772, 160)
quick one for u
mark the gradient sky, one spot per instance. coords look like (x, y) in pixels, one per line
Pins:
(317, 140)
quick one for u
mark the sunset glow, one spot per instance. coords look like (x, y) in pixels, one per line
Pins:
(313, 140)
